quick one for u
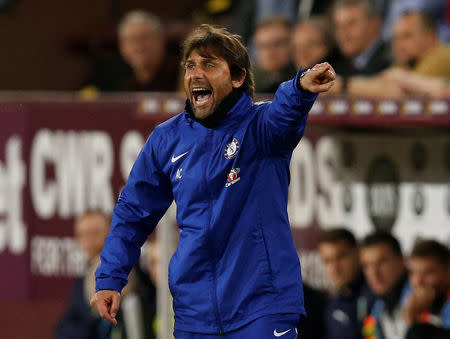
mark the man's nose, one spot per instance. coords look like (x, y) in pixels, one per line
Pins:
(417, 281)
(197, 73)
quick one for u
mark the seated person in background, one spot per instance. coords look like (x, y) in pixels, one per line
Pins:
(79, 321)
(417, 51)
(352, 298)
(246, 15)
(429, 302)
(145, 64)
(271, 40)
(151, 262)
(438, 9)
(383, 266)
(417, 48)
(312, 43)
(357, 25)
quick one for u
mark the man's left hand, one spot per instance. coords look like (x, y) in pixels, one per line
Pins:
(318, 79)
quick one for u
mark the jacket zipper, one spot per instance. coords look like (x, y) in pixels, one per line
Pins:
(214, 264)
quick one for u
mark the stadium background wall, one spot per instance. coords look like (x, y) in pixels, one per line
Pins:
(364, 164)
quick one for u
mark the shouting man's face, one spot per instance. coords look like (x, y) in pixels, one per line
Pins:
(207, 81)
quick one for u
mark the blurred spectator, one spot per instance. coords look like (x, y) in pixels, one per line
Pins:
(312, 43)
(247, 15)
(437, 9)
(429, 276)
(357, 28)
(151, 262)
(416, 45)
(143, 47)
(417, 50)
(272, 48)
(352, 299)
(383, 266)
(79, 321)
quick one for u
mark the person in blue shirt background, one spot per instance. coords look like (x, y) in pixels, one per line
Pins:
(351, 298)
(384, 268)
(225, 162)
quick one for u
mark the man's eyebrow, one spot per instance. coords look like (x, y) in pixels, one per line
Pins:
(204, 59)
(210, 58)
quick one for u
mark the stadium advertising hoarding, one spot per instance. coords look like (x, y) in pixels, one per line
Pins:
(61, 157)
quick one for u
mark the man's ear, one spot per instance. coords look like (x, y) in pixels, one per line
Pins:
(238, 81)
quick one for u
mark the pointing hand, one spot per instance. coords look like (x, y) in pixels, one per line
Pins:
(318, 79)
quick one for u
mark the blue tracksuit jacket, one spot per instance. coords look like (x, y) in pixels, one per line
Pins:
(236, 259)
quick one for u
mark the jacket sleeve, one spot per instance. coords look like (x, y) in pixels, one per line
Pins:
(280, 124)
(142, 203)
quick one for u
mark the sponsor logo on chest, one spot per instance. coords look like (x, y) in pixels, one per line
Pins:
(233, 177)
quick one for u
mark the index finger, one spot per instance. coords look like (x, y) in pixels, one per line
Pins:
(324, 73)
(322, 67)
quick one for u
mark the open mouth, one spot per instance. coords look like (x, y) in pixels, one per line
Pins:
(201, 95)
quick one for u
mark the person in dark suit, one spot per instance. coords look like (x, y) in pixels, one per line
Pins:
(357, 26)
(146, 61)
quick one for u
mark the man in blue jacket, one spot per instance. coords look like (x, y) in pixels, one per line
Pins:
(225, 162)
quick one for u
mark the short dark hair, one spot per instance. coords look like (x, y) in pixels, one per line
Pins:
(431, 248)
(207, 39)
(382, 237)
(336, 235)
(369, 6)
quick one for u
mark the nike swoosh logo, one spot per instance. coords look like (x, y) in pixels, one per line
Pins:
(279, 334)
(178, 157)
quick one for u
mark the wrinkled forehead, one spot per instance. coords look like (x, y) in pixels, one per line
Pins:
(205, 51)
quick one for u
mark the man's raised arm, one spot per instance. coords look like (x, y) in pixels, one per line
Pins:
(281, 124)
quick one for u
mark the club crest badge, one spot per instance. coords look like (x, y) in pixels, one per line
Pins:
(231, 149)
(232, 177)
